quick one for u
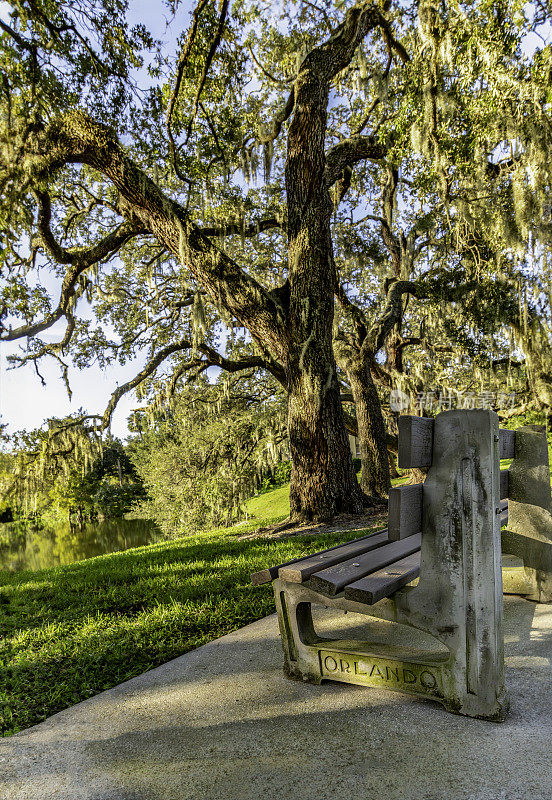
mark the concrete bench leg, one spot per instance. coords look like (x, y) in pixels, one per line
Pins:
(296, 632)
(309, 657)
(528, 534)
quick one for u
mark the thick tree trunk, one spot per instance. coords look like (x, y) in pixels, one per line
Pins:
(323, 481)
(375, 479)
(393, 471)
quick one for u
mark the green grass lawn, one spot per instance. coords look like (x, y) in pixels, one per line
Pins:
(270, 505)
(71, 632)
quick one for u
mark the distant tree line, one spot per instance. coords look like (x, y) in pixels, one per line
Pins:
(63, 475)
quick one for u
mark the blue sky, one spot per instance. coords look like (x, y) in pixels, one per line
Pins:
(24, 402)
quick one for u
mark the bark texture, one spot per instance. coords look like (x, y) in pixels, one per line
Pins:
(372, 434)
(323, 481)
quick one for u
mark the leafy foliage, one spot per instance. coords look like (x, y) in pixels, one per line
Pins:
(68, 472)
(435, 152)
(202, 459)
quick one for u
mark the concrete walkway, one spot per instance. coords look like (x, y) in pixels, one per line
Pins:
(223, 723)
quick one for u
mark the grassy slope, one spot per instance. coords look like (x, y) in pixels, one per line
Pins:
(273, 504)
(70, 632)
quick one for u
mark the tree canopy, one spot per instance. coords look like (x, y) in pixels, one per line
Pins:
(304, 184)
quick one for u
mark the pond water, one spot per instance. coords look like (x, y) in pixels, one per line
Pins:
(49, 548)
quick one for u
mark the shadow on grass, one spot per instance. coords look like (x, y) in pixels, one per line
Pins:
(71, 632)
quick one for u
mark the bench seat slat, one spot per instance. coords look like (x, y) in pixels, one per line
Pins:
(384, 582)
(332, 580)
(269, 573)
(301, 571)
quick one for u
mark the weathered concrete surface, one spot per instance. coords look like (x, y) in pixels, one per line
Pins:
(223, 723)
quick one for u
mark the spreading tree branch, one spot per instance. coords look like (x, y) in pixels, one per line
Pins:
(49, 349)
(79, 259)
(327, 20)
(376, 101)
(337, 52)
(182, 64)
(349, 152)
(393, 44)
(353, 311)
(210, 55)
(235, 228)
(22, 43)
(76, 138)
(144, 373)
(392, 313)
(265, 72)
(84, 257)
(267, 133)
(211, 359)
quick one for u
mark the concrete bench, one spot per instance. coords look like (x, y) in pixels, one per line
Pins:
(447, 531)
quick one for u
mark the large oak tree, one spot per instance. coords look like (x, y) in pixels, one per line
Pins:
(75, 76)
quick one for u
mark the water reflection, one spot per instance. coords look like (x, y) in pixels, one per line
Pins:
(46, 548)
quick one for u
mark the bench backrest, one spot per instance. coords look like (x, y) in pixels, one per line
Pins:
(528, 534)
(416, 435)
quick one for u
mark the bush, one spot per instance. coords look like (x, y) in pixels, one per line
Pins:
(113, 501)
(282, 473)
(207, 457)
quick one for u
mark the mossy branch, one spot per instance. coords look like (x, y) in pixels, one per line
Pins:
(350, 152)
(78, 139)
(235, 228)
(336, 53)
(79, 259)
(211, 358)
